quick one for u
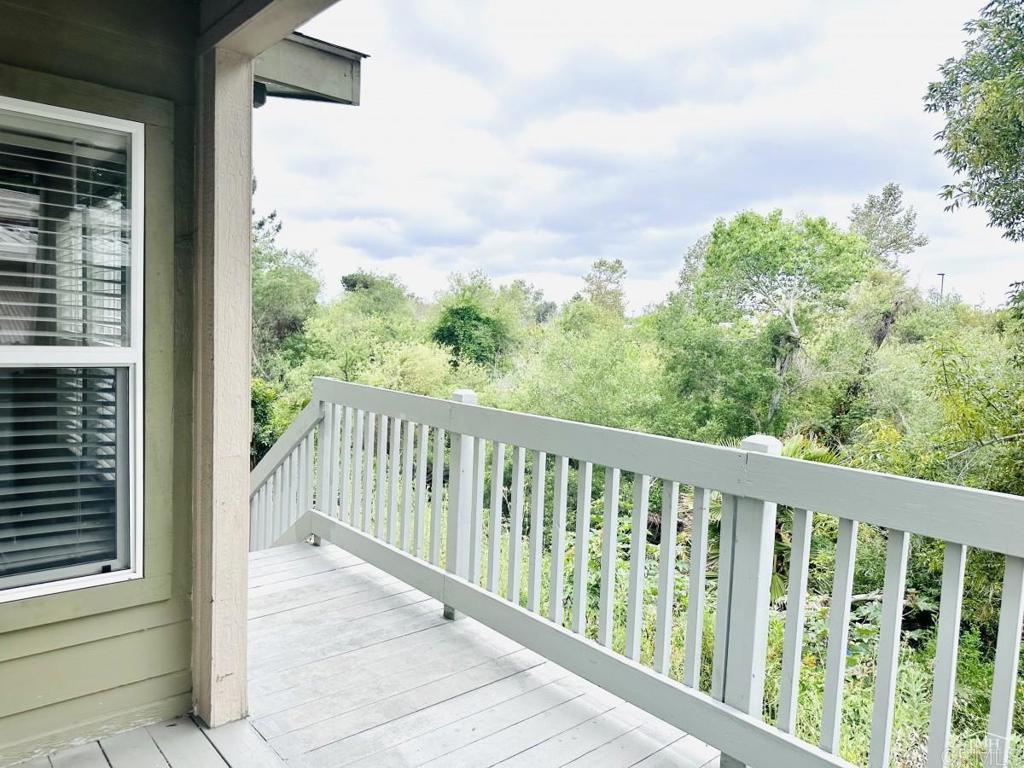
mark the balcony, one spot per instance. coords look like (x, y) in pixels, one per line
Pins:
(428, 510)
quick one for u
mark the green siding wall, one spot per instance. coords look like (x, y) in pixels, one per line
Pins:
(93, 661)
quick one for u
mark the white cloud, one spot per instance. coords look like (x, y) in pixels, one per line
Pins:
(527, 138)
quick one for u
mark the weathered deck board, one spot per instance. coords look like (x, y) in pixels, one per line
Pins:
(239, 744)
(182, 743)
(86, 756)
(179, 743)
(133, 749)
(350, 668)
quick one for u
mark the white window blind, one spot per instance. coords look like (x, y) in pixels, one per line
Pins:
(70, 352)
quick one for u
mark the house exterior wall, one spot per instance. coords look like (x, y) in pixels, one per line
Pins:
(97, 660)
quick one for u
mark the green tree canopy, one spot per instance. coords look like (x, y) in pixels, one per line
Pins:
(756, 264)
(981, 97)
(604, 285)
(376, 294)
(471, 333)
(887, 225)
(284, 293)
(779, 270)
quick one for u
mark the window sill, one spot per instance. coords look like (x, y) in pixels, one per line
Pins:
(68, 584)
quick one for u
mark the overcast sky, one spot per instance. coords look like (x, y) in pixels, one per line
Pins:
(527, 138)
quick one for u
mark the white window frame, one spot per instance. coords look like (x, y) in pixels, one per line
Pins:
(130, 357)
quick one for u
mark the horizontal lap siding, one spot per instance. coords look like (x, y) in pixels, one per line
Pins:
(97, 714)
(96, 661)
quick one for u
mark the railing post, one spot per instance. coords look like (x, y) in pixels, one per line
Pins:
(460, 499)
(745, 572)
(325, 440)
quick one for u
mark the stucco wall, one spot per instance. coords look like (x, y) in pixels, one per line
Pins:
(101, 659)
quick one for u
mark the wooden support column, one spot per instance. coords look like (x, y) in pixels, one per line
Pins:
(222, 422)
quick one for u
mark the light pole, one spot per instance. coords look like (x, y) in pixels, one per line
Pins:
(942, 284)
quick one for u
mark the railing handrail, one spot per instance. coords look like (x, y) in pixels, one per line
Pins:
(977, 518)
(341, 473)
(304, 421)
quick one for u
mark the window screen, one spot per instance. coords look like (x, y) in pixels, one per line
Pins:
(61, 476)
(70, 355)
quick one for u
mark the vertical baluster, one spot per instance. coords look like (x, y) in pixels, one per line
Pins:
(515, 523)
(368, 487)
(268, 512)
(280, 498)
(309, 471)
(637, 555)
(609, 550)
(394, 482)
(696, 587)
(839, 627)
(325, 502)
(536, 530)
(381, 488)
(253, 521)
(947, 644)
(558, 517)
(494, 524)
(581, 579)
(476, 519)
(1004, 678)
(344, 476)
(407, 501)
(332, 458)
(726, 543)
(896, 552)
(796, 599)
(421, 489)
(288, 494)
(258, 524)
(293, 500)
(298, 475)
(300, 496)
(666, 576)
(358, 439)
(436, 497)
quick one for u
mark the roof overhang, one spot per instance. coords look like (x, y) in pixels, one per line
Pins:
(251, 27)
(302, 67)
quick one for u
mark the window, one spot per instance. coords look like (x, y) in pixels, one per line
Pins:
(71, 191)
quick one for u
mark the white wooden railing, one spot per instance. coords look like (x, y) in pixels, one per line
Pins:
(399, 480)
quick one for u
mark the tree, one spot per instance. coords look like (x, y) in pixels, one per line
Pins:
(344, 338)
(888, 226)
(472, 334)
(844, 354)
(784, 270)
(693, 265)
(560, 374)
(719, 377)
(262, 396)
(981, 97)
(603, 285)
(527, 302)
(1015, 323)
(284, 293)
(374, 293)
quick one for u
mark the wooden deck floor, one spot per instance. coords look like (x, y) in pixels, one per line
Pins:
(176, 743)
(351, 667)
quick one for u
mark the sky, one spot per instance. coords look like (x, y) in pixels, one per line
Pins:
(527, 138)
